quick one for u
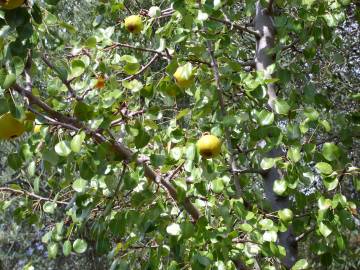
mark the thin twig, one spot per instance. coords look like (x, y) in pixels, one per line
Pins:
(142, 69)
(123, 45)
(304, 234)
(236, 26)
(67, 83)
(223, 114)
(30, 194)
(174, 172)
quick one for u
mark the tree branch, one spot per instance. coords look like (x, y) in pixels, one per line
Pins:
(30, 194)
(121, 149)
(270, 7)
(304, 234)
(123, 45)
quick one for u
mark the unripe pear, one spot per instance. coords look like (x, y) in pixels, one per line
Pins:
(10, 127)
(37, 128)
(285, 215)
(134, 24)
(209, 146)
(184, 76)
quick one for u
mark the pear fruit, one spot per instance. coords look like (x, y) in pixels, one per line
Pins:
(184, 76)
(100, 83)
(209, 146)
(286, 215)
(11, 4)
(37, 128)
(134, 24)
(10, 127)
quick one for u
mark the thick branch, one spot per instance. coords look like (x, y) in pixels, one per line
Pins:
(264, 24)
(121, 149)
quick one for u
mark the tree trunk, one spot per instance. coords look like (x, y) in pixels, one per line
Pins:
(265, 26)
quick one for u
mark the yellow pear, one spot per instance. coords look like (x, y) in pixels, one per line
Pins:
(37, 128)
(209, 146)
(134, 24)
(11, 4)
(10, 127)
(184, 76)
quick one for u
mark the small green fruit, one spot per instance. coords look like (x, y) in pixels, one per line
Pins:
(209, 146)
(285, 215)
(134, 24)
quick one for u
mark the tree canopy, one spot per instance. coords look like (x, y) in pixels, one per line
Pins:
(183, 134)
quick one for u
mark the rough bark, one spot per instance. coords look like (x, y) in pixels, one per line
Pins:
(265, 42)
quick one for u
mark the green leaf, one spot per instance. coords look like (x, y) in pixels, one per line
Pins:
(280, 186)
(311, 113)
(77, 68)
(324, 203)
(62, 148)
(49, 207)
(301, 265)
(173, 229)
(281, 107)
(67, 248)
(134, 85)
(267, 163)
(79, 185)
(217, 185)
(176, 153)
(266, 224)
(91, 42)
(294, 153)
(9, 80)
(340, 242)
(52, 249)
(265, 118)
(79, 246)
(142, 139)
(324, 168)
(330, 183)
(77, 142)
(182, 113)
(270, 236)
(324, 230)
(246, 227)
(330, 151)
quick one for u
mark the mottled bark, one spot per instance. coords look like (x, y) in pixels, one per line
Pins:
(264, 25)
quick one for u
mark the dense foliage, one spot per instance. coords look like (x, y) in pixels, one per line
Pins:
(113, 107)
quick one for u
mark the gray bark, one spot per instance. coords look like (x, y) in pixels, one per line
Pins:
(265, 26)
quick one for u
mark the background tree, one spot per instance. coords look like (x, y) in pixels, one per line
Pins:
(110, 165)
